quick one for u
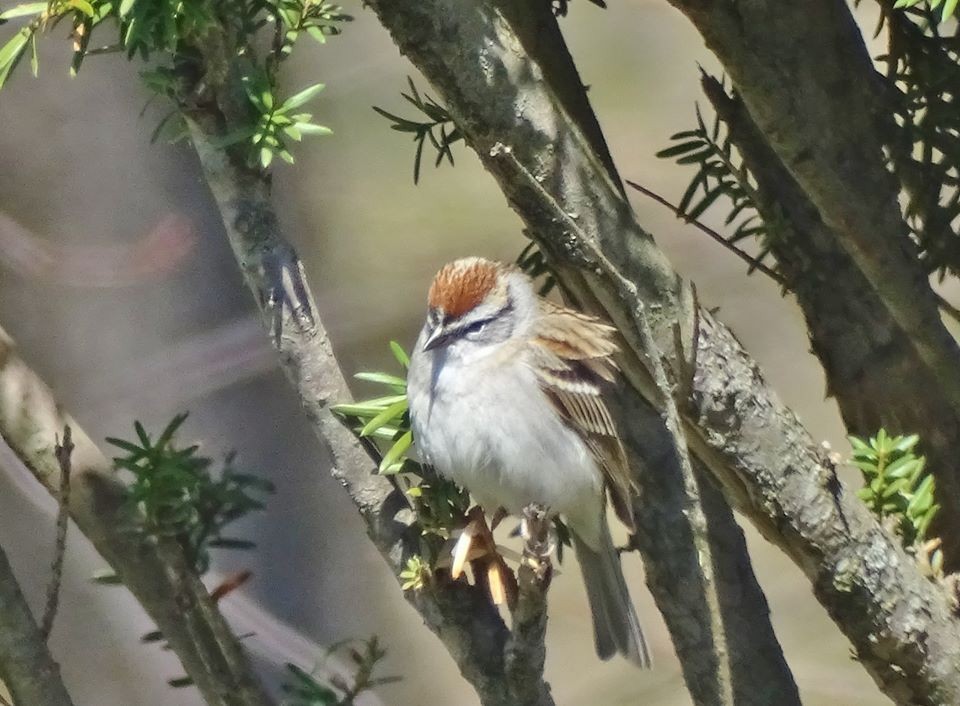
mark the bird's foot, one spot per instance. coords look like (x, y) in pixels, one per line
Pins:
(477, 546)
(286, 291)
(539, 539)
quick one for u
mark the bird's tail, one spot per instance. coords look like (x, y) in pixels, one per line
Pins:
(616, 628)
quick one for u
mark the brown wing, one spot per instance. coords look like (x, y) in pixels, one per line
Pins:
(572, 356)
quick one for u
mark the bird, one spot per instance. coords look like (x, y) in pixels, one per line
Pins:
(505, 397)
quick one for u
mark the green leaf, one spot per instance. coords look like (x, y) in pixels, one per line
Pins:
(142, 434)
(682, 148)
(306, 686)
(696, 157)
(11, 52)
(125, 445)
(704, 204)
(266, 156)
(383, 378)
(387, 415)
(317, 34)
(922, 498)
(895, 487)
(400, 354)
(396, 452)
(858, 444)
(902, 467)
(29, 8)
(313, 129)
(400, 124)
(83, 6)
(231, 543)
(691, 190)
(416, 159)
(167, 434)
(298, 99)
(367, 407)
(906, 443)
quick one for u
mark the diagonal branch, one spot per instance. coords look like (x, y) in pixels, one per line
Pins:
(63, 450)
(469, 625)
(26, 666)
(159, 574)
(807, 80)
(504, 73)
(876, 375)
(486, 62)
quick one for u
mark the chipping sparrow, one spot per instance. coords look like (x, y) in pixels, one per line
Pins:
(505, 399)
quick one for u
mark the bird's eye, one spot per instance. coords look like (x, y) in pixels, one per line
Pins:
(476, 327)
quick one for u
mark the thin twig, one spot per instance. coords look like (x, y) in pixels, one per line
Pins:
(159, 575)
(63, 450)
(746, 257)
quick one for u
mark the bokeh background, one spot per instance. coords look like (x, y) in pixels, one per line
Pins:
(117, 283)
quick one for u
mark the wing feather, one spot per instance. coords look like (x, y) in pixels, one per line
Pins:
(573, 358)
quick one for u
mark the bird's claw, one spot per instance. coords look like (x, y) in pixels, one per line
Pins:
(286, 290)
(539, 538)
(477, 546)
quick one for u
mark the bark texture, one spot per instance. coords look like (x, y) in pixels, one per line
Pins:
(504, 74)
(157, 573)
(26, 665)
(872, 368)
(505, 667)
(728, 648)
(807, 81)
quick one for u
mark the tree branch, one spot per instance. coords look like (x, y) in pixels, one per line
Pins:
(157, 573)
(872, 369)
(26, 666)
(488, 66)
(461, 615)
(753, 262)
(62, 451)
(483, 56)
(806, 79)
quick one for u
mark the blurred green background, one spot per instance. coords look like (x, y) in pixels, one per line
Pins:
(117, 283)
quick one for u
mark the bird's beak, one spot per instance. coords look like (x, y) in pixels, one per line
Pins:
(436, 339)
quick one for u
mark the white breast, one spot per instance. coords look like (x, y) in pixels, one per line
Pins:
(487, 425)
